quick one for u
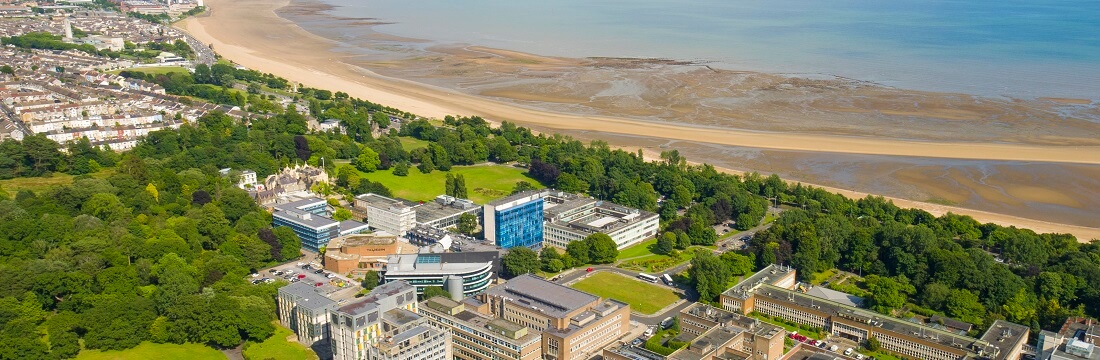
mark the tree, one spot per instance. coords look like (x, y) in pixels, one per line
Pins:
(106, 207)
(401, 169)
(467, 223)
(683, 241)
(370, 280)
(709, 274)
(578, 250)
(964, 305)
(887, 294)
(449, 185)
(601, 249)
(381, 119)
(551, 260)
(519, 261)
(290, 244)
(341, 214)
(7, 69)
(433, 291)
(738, 264)
(873, 344)
(522, 186)
(426, 165)
(665, 243)
(460, 187)
(368, 160)
(301, 148)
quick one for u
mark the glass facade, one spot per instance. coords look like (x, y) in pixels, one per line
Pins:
(520, 225)
(312, 238)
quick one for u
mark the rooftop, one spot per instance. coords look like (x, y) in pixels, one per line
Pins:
(822, 292)
(1004, 335)
(443, 263)
(307, 296)
(767, 275)
(494, 325)
(517, 196)
(303, 203)
(550, 298)
(370, 302)
(380, 201)
(443, 207)
(305, 218)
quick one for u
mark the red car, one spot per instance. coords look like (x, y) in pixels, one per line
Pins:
(301, 276)
(589, 270)
(319, 284)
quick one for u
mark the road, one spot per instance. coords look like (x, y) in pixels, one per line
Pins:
(203, 53)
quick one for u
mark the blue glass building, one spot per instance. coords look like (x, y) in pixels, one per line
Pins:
(309, 219)
(515, 220)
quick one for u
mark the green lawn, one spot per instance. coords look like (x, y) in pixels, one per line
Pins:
(484, 183)
(820, 277)
(38, 184)
(643, 297)
(278, 347)
(148, 350)
(639, 249)
(156, 70)
(409, 143)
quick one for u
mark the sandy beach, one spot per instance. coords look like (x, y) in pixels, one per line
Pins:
(252, 34)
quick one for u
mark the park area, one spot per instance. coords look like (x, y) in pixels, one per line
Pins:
(643, 297)
(280, 346)
(148, 350)
(484, 183)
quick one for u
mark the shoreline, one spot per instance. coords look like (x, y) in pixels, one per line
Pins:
(303, 65)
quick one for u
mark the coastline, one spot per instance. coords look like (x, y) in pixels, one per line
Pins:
(251, 39)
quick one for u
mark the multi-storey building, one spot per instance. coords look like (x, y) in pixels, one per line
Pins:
(384, 324)
(361, 253)
(515, 220)
(476, 335)
(444, 211)
(390, 215)
(717, 330)
(574, 324)
(772, 292)
(305, 312)
(571, 217)
(308, 218)
(1076, 340)
(462, 274)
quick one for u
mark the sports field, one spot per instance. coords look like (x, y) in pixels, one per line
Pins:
(484, 183)
(643, 297)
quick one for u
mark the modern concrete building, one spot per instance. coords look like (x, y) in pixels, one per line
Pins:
(303, 310)
(772, 292)
(476, 335)
(463, 274)
(574, 324)
(571, 217)
(515, 220)
(387, 214)
(384, 324)
(718, 333)
(444, 211)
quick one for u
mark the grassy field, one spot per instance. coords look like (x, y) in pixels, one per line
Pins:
(38, 184)
(148, 350)
(156, 70)
(278, 347)
(820, 277)
(409, 143)
(640, 249)
(483, 182)
(643, 297)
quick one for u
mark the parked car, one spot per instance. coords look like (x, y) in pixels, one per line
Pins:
(272, 271)
(822, 344)
(848, 352)
(859, 356)
(833, 348)
(319, 271)
(636, 342)
(301, 276)
(330, 275)
(648, 332)
(255, 275)
(319, 284)
(301, 264)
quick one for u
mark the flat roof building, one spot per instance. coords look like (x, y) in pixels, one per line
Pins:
(361, 253)
(480, 336)
(387, 214)
(574, 324)
(772, 292)
(305, 311)
(516, 220)
(461, 274)
(444, 211)
(309, 219)
(571, 217)
(384, 324)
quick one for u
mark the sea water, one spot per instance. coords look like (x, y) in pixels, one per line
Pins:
(1015, 48)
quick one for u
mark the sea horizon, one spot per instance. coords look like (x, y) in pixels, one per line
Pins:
(1011, 48)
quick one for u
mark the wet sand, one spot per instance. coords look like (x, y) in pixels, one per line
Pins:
(621, 98)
